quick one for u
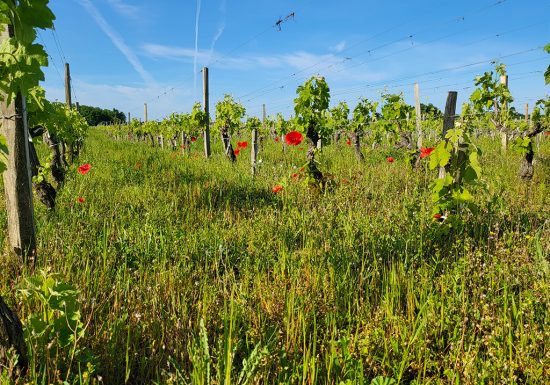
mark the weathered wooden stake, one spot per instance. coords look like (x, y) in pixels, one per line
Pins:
(418, 115)
(11, 336)
(69, 103)
(17, 177)
(264, 128)
(145, 112)
(206, 99)
(254, 151)
(503, 134)
(448, 121)
(68, 96)
(17, 180)
(526, 112)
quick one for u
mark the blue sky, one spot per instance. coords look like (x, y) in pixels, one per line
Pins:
(124, 53)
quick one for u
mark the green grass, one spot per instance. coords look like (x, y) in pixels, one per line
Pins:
(333, 288)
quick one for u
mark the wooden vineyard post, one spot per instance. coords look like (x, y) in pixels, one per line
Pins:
(254, 151)
(206, 100)
(68, 96)
(145, 120)
(58, 162)
(20, 210)
(11, 336)
(418, 115)
(17, 177)
(503, 134)
(526, 112)
(17, 180)
(264, 128)
(448, 121)
(69, 102)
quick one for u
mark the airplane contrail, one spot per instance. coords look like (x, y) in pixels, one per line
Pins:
(118, 41)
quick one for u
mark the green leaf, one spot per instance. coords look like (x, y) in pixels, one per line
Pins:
(454, 135)
(311, 105)
(476, 96)
(463, 196)
(3, 154)
(35, 13)
(3, 145)
(440, 156)
(380, 380)
(37, 325)
(474, 163)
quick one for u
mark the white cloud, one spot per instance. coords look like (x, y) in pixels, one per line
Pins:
(170, 52)
(304, 60)
(221, 26)
(298, 60)
(173, 53)
(188, 55)
(302, 63)
(128, 10)
(117, 40)
(339, 47)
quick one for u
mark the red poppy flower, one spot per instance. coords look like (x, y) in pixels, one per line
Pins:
(236, 152)
(294, 138)
(295, 175)
(426, 151)
(193, 139)
(390, 159)
(547, 133)
(277, 139)
(437, 216)
(277, 188)
(242, 144)
(345, 181)
(348, 142)
(81, 200)
(84, 169)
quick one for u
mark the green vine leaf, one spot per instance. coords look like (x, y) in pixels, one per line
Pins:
(440, 156)
(462, 196)
(311, 106)
(3, 154)
(229, 114)
(474, 165)
(454, 135)
(20, 58)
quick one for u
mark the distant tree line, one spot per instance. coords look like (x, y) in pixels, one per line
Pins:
(430, 110)
(96, 116)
